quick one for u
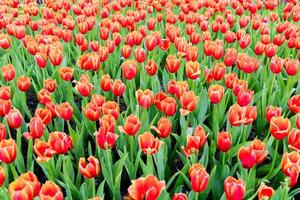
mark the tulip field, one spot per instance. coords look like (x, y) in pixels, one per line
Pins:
(149, 99)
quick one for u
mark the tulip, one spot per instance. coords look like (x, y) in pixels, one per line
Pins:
(148, 144)
(215, 93)
(276, 64)
(192, 70)
(294, 104)
(44, 114)
(291, 66)
(188, 103)
(172, 63)
(111, 108)
(272, 112)
(247, 157)
(33, 181)
(8, 151)
(106, 83)
(5, 107)
(265, 192)
(168, 106)
(195, 141)
(66, 73)
(164, 127)
(126, 51)
(129, 69)
(4, 41)
(235, 189)
(2, 176)
(65, 111)
(89, 61)
(14, 118)
(191, 53)
(290, 166)
(84, 86)
(235, 115)
(118, 88)
(20, 189)
(90, 169)
(50, 191)
(131, 126)
(151, 67)
(2, 132)
(23, 83)
(218, 71)
(270, 50)
(145, 98)
(92, 111)
(50, 85)
(230, 57)
(41, 59)
(260, 150)
(44, 96)
(280, 127)
(224, 141)
(298, 121)
(8, 72)
(239, 85)
(244, 97)
(294, 139)
(150, 42)
(43, 150)
(179, 196)
(199, 178)
(5, 93)
(140, 54)
(60, 142)
(106, 140)
(36, 128)
(230, 79)
(148, 187)
(181, 87)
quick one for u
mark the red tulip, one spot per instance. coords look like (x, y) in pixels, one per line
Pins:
(168, 106)
(131, 126)
(290, 166)
(65, 111)
(106, 140)
(230, 79)
(294, 139)
(43, 150)
(36, 128)
(111, 108)
(244, 97)
(92, 111)
(148, 144)
(90, 169)
(224, 141)
(247, 157)
(145, 98)
(260, 150)
(192, 70)
(230, 57)
(50, 191)
(2, 176)
(188, 103)
(164, 127)
(195, 141)
(172, 63)
(5, 93)
(272, 112)
(280, 127)
(31, 180)
(8, 72)
(140, 54)
(148, 187)
(215, 93)
(218, 71)
(129, 69)
(66, 73)
(60, 142)
(118, 87)
(126, 51)
(179, 196)
(106, 83)
(14, 118)
(150, 42)
(199, 177)
(151, 67)
(291, 66)
(50, 85)
(235, 189)
(276, 64)
(20, 189)
(294, 104)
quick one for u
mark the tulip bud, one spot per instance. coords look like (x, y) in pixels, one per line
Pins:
(235, 189)
(14, 118)
(90, 169)
(215, 93)
(224, 141)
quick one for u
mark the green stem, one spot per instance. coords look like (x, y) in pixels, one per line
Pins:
(149, 165)
(13, 171)
(196, 196)
(274, 159)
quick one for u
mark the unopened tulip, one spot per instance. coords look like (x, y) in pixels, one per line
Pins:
(235, 189)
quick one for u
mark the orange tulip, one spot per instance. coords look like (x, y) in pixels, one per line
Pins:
(8, 151)
(235, 189)
(33, 181)
(195, 141)
(106, 83)
(215, 93)
(260, 150)
(111, 108)
(43, 150)
(8, 72)
(90, 169)
(50, 191)
(294, 139)
(23, 83)
(118, 88)
(164, 127)
(151, 67)
(188, 103)
(191, 53)
(131, 126)
(92, 111)
(66, 73)
(290, 166)
(20, 189)
(145, 98)
(144, 187)
(44, 96)
(218, 71)
(148, 144)
(5, 93)
(168, 106)
(192, 69)
(84, 86)
(280, 127)
(44, 114)
(106, 140)
(50, 85)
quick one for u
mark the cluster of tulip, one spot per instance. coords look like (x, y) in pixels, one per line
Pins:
(152, 99)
